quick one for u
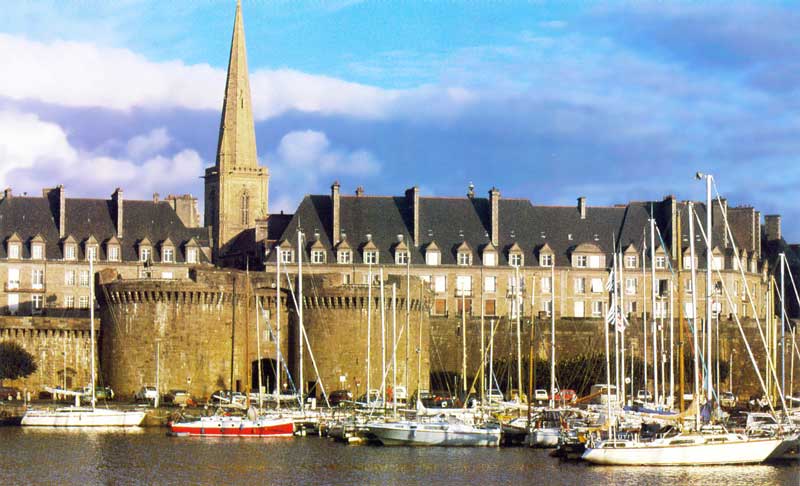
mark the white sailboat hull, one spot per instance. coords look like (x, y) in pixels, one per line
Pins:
(546, 437)
(659, 453)
(411, 434)
(82, 417)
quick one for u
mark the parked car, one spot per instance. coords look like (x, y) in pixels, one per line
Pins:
(727, 400)
(146, 393)
(339, 398)
(565, 396)
(9, 393)
(540, 395)
(100, 393)
(178, 397)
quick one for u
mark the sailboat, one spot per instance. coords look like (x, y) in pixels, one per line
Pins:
(686, 448)
(77, 416)
(440, 431)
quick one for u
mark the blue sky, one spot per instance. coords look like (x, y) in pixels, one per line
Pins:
(545, 100)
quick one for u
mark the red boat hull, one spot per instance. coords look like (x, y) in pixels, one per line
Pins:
(234, 428)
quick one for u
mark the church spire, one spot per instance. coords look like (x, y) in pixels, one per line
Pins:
(237, 138)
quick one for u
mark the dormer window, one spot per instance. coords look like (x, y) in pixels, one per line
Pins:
(581, 261)
(661, 262)
(344, 257)
(464, 258)
(490, 258)
(144, 253)
(317, 256)
(717, 262)
(69, 252)
(515, 259)
(168, 255)
(13, 250)
(432, 254)
(191, 255)
(371, 257)
(91, 253)
(286, 255)
(631, 261)
(37, 251)
(401, 257)
(113, 253)
(546, 260)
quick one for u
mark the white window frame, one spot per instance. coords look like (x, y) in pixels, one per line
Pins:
(344, 257)
(191, 255)
(69, 301)
(318, 256)
(83, 278)
(594, 261)
(597, 308)
(490, 259)
(463, 285)
(547, 307)
(37, 251)
(597, 285)
(546, 285)
(13, 303)
(401, 257)
(490, 284)
(13, 278)
(631, 261)
(370, 257)
(145, 253)
(661, 262)
(37, 278)
(717, 262)
(286, 255)
(13, 251)
(580, 285)
(464, 258)
(440, 284)
(91, 253)
(581, 261)
(515, 259)
(83, 302)
(546, 260)
(113, 253)
(69, 251)
(433, 257)
(578, 309)
(70, 277)
(168, 255)
(631, 285)
(37, 303)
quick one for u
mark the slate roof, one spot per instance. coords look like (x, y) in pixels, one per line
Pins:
(28, 216)
(450, 222)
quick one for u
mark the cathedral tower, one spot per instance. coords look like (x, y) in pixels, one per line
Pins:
(236, 188)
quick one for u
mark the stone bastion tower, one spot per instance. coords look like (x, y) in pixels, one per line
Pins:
(202, 333)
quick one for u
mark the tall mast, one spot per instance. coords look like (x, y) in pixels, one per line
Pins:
(621, 266)
(709, 249)
(671, 402)
(383, 341)
(464, 342)
(681, 323)
(91, 323)
(518, 303)
(300, 316)
(278, 380)
(694, 317)
(614, 304)
(644, 310)
(553, 333)
(483, 346)
(394, 348)
(783, 325)
(408, 318)
(653, 304)
(258, 349)
(369, 326)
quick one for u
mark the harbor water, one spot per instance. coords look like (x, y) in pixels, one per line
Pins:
(148, 456)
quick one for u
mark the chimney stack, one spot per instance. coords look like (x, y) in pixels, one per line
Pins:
(117, 199)
(7, 193)
(471, 190)
(56, 198)
(494, 202)
(582, 206)
(155, 198)
(772, 223)
(336, 221)
(359, 191)
(412, 199)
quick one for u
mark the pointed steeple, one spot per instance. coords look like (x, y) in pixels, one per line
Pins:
(237, 138)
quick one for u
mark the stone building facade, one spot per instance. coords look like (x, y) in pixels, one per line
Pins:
(470, 259)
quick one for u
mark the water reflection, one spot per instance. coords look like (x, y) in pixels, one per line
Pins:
(148, 456)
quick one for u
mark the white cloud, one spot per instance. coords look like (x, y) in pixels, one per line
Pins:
(149, 143)
(36, 154)
(80, 74)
